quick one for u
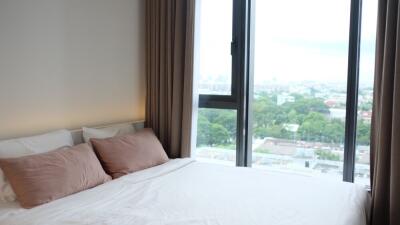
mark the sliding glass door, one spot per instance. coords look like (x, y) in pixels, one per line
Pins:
(300, 86)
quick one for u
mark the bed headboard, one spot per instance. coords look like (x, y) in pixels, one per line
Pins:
(77, 134)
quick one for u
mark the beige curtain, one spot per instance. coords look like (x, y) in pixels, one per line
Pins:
(385, 142)
(169, 49)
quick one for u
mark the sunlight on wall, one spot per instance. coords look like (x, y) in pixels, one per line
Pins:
(66, 64)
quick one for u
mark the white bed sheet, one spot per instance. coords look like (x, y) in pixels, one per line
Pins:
(186, 192)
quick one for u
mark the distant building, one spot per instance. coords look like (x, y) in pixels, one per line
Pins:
(305, 153)
(292, 127)
(366, 116)
(321, 95)
(331, 103)
(283, 98)
(335, 113)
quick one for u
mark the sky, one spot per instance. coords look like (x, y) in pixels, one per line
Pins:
(294, 40)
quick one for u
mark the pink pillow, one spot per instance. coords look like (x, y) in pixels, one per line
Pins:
(42, 178)
(129, 153)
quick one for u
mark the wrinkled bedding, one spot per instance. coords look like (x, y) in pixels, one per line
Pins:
(186, 192)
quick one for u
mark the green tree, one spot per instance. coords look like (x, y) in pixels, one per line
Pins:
(334, 131)
(366, 106)
(218, 135)
(215, 127)
(202, 130)
(293, 117)
(306, 105)
(218, 127)
(227, 118)
(275, 131)
(363, 133)
(264, 110)
(312, 128)
(327, 155)
(260, 132)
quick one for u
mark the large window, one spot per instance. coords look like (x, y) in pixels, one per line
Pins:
(297, 93)
(214, 42)
(300, 86)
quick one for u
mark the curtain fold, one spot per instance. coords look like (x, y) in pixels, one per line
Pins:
(385, 127)
(169, 65)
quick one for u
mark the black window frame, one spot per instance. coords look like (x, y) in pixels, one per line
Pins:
(240, 99)
(228, 101)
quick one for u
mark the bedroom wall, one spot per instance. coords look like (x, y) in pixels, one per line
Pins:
(70, 63)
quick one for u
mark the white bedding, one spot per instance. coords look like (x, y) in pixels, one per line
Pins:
(186, 192)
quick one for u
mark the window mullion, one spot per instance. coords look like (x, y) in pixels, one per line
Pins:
(352, 91)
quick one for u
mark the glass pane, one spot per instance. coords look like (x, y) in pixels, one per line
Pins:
(300, 76)
(367, 66)
(214, 46)
(216, 136)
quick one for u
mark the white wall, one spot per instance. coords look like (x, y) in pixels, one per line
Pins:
(69, 63)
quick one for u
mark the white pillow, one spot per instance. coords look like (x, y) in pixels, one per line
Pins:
(107, 132)
(29, 146)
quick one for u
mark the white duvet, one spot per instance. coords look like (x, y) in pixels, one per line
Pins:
(186, 192)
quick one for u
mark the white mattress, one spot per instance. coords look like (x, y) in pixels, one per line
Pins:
(185, 192)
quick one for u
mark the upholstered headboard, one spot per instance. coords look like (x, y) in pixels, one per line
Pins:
(77, 134)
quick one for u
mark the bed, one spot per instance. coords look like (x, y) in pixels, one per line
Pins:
(187, 192)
